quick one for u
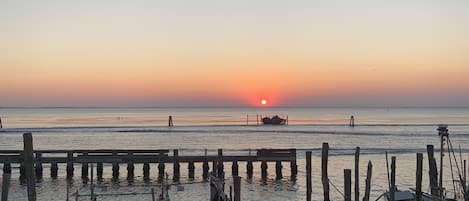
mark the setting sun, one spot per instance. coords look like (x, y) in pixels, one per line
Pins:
(263, 102)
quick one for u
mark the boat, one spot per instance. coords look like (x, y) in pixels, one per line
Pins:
(275, 120)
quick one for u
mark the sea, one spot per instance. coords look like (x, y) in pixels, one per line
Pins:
(399, 131)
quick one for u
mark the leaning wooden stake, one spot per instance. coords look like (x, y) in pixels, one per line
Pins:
(5, 186)
(357, 173)
(28, 163)
(308, 176)
(418, 179)
(348, 185)
(393, 179)
(368, 182)
(324, 177)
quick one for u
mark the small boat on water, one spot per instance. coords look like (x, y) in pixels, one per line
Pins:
(275, 120)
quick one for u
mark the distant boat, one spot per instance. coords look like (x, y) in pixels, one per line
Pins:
(275, 120)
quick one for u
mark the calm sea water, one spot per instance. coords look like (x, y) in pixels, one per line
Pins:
(400, 131)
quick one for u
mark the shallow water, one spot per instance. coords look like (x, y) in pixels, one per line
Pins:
(400, 131)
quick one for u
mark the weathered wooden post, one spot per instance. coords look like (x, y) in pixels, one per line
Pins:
(221, 173)
(170, 121)
(293, 166)
(205, 167)
(84, 167)
(357, 174)
(130, 165)
(153, 194)
(368, 182)
(264, 169)
(38, 165)
(278, 169)
(70, 167)
(308, 176)
(324, 176)
(347, 184)
(54, 169)
(28, 164)
(176, 166)
(115, 166)
(249, 166)
(352, 121)
(161, 171)
(146, 171)
(99, 170)
(22, 170)
(5, 185)
(464, 175)
(237, 188)
(234, 168)
(432, 171)
(92, 184)
(392, 191)
(1, 124)
(418, 179)
(257, 119)
(191, 168)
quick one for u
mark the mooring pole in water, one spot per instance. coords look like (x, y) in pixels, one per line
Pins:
(347, 184)
(418, 179)
(432, 171)
(92, 184)
(393, 179)
(257, 119)
(357, 172)
(1, 125)
(237, 188)
(366, 197)
(170, 121)
(324, 176)
(5, 185)
(352, 121)
(28, 164)
(308, 176)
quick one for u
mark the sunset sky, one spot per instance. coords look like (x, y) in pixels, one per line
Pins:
(234, 53)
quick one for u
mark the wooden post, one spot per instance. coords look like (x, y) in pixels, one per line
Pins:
(357, 173)
(92, 184)
(146, 171)
(153, 194)
(264, 169)
(278, 169)
(205, 167)
(54, 169)
(234, 168)
(38, 165)
(324, 176)
(191, 168)
(432, 171)
(368, 182)
(221, 173)
(84, 167)
(161, 171)
(176, 166)
(28, 164)
(308, 176)
(347, 184)
(22, 171)
(1, 124)
(247, 120)
(464, 175)
(70, 167)
(99, 170)
(237, 188)
(257, 119)
(418, 179)
(115, 167)
(130, 166)
(392, 191)
(5, 186)
(231, 193)
(293, 165)
(249, 168)
(170, 121)
(352, 121)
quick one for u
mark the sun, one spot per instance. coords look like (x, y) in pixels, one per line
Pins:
(263, 102)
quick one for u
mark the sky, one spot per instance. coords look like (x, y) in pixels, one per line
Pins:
(234, 53)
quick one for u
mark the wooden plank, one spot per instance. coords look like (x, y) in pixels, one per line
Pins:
(28, 163)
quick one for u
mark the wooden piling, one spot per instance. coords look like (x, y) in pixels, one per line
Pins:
(264, 169)
(130, 166)
(115, 167)
(234, 168)
(6, 167)
(293, 166)
(28, 164)
(237, 188)
(347, 184)
(54, 169)
(278, 169)
(249, 168)
(84, 167)
(308, 176)
(1, 124)
(161, 171)
(324, 175)
(170, 121)
(92, 183)
(153, 194)
(146, 171)
(352, 121)
(357, 174)
(205, 169)
(220, 171)
(22, 171)
(191, 168)
(418, 179)
(38, 165)
(257, 119)
(369, 170)
(432, 171)
(99, 170)
(70, 167)
(464, 175)
(176, 165)
(392, 191)
(5, 185)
